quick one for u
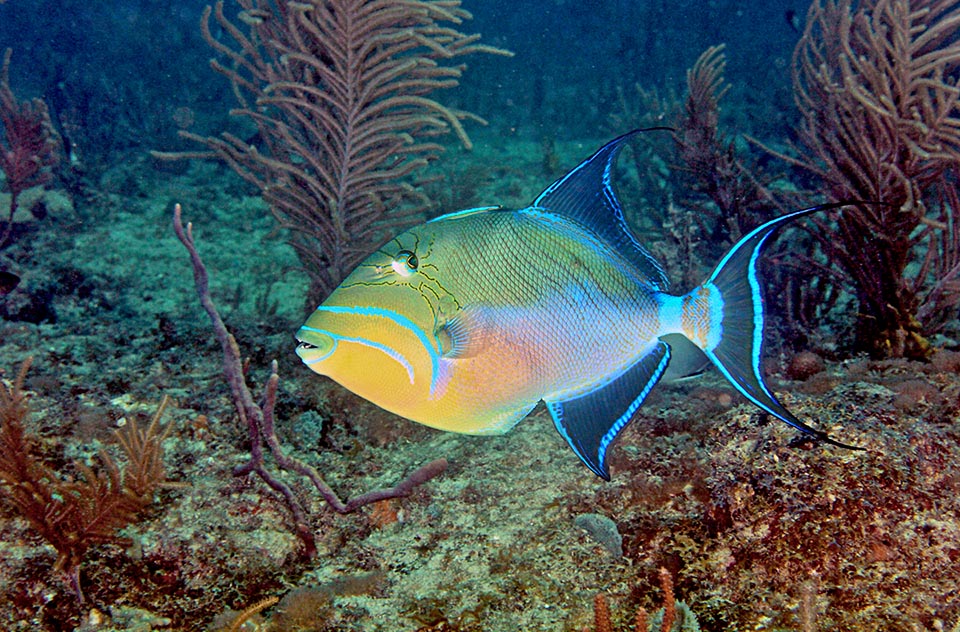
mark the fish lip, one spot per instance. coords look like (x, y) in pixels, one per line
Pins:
(314, 345)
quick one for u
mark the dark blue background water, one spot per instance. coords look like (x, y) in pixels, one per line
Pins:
(121, 68)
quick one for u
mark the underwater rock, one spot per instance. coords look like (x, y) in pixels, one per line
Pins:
(136, 619)
(603, 530)
(804, 365)
(8, 282)
(37, 203)
(28, 306)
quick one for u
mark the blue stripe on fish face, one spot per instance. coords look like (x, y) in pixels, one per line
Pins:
(390, 352)
(397, 319)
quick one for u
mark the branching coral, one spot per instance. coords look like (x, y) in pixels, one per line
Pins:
(709, 160)
(876, 84)
(711, 196)
(673, 616)
(259, 420)
(75, 514)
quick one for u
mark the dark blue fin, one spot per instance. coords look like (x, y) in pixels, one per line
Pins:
(592, 421)
(586, 196)
(737, 347)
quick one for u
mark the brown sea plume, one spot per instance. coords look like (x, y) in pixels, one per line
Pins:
(339, 92)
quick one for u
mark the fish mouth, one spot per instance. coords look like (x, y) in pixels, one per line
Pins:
(315, 346)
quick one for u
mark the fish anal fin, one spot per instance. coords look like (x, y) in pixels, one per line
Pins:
(592, 421)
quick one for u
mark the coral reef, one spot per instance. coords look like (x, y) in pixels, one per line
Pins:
(756, 528)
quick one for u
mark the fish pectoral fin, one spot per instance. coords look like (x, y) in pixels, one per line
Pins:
(464, 335)
(592, 421)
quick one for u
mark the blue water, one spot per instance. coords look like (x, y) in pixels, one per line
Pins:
(125, 67)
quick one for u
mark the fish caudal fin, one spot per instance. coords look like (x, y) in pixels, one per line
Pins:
(725, 316)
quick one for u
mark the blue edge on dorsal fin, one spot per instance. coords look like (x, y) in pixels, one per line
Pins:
(586, 196)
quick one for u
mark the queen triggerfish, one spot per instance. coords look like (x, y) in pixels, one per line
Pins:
(466, 322)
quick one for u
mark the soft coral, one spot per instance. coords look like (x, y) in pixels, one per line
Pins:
(29, 149)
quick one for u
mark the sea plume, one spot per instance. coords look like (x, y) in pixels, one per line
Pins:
(339, 91)
(75, 513)
(876, 84)
(28, 149)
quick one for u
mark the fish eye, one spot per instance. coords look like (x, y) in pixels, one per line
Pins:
(405, 263)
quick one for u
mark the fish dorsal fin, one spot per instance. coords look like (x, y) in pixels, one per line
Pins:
(592, 421)
(586, 196)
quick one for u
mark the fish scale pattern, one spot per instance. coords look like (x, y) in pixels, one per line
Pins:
(553, 292)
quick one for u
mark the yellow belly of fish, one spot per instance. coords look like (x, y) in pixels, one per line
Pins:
(487, 393)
